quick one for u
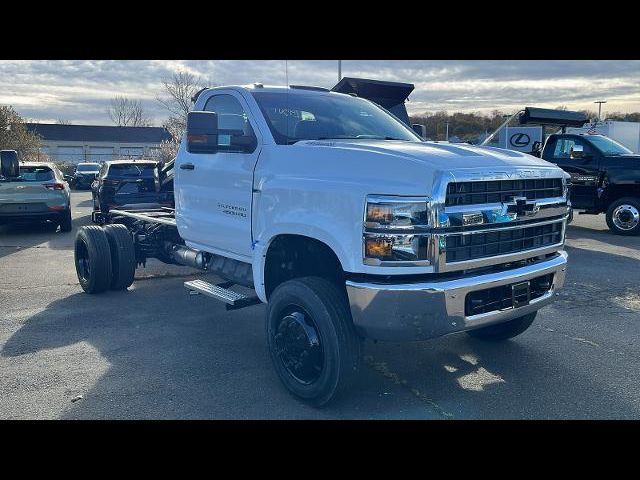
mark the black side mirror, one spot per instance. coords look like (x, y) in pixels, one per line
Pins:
(9, 165)
(202, 132)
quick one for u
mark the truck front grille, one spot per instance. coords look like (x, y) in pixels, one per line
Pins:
(502, 297)
(471, 246)
(497, 191)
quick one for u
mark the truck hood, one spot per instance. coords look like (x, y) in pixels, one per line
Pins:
(387, 166)
(438, 156)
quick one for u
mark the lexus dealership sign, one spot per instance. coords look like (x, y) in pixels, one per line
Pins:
(520, 138)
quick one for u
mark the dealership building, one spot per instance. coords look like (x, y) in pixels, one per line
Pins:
(97, 143)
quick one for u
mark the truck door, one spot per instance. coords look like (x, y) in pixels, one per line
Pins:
(584, 170)
(213, 192)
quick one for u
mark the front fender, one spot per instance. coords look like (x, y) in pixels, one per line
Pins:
(315, 231)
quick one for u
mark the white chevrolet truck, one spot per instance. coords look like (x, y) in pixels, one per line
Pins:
(333, 212)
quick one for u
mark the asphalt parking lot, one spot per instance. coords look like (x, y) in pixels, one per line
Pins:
(156, 352)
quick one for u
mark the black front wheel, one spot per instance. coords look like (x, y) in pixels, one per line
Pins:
(623, 216)
(312, 341)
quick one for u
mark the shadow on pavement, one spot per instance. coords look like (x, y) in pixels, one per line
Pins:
(577, 232)
(171, 355)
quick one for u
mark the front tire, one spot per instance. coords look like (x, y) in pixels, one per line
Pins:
(504, 331)
(312, 341)
(623, 216)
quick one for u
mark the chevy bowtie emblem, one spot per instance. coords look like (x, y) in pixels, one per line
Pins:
(520, 207)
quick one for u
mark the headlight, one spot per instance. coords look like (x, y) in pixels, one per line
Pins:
(396, 212)
(396, 231)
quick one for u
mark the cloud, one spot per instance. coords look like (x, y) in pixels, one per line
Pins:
(80, 90)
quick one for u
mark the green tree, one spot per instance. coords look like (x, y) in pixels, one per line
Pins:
(15, 136)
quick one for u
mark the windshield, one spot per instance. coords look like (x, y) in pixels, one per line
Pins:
(294, 117)
(608, 146)
(132, 170)
(36, 174)
(87, 167)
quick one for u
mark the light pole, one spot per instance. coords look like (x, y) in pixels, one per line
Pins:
(600, 102)
(339, 70)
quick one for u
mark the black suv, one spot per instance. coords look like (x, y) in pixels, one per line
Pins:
(85, 174)
(129, 184)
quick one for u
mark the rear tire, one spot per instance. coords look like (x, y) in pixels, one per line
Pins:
(93, 259)
(623, 216)
(66, 224)
(123, 256)
(505, 330)
(312, 341)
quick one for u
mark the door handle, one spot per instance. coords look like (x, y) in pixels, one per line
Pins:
(187, 166)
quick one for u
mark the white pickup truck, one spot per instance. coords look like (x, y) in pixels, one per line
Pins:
(348, 225)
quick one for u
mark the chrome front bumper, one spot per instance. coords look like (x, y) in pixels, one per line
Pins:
(419, 311)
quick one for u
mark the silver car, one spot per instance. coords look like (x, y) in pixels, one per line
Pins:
(38, 193)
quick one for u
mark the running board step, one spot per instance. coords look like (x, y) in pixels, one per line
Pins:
(234, 300)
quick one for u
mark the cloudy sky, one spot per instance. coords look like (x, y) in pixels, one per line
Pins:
(79, 91)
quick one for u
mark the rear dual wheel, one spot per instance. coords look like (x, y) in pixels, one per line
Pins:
(104, 258)
(123, 256)
(93, 259)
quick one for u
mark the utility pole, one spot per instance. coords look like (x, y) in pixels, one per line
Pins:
(600, 102)
(339, 70)
(447, 134)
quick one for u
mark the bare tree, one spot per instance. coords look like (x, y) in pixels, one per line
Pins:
(169, 148)
(178, 91)
(175, 126)
(127, 113)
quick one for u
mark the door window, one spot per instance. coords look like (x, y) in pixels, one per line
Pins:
(564, 145)
(232, 119)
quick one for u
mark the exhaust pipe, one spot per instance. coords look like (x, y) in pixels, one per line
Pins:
(186, 256)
